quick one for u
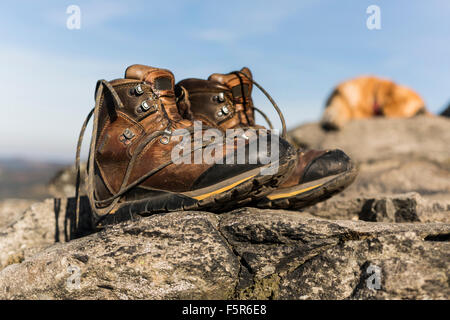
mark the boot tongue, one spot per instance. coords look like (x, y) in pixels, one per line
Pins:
(239, 85)
(162, 83)
(241, 89)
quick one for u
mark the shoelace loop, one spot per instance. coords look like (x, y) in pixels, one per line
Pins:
(280, 114)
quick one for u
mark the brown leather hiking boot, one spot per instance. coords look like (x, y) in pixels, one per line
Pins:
(224, 100)
(132, 169)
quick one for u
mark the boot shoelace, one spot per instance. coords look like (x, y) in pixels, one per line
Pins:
(244, 100)
(274, 104)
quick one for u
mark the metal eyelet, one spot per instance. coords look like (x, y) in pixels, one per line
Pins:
(225, 110)
(138, 89)
(219, 98)
(128, 134)
(145, 106)
(164, 139)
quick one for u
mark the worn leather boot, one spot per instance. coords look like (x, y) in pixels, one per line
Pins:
(224, 100)
(131, 167)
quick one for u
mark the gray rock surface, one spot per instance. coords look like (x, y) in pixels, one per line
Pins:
(11, 209)
(385, 237)
(394, 155)
(408, 207)
(175, 256)
(62, 185)
(246, 254)
(41, 225)
(31, 231)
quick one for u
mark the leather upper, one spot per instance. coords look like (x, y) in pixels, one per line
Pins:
(224, 100)
(121, 133)
(236, 90)
(149, 98)
(241, 86)
(211, 103)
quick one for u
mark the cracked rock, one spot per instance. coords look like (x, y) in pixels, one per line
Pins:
(179, 255)
(408, 207)
(41, 225)
(11, 209)
(392, 266)
(248, 254)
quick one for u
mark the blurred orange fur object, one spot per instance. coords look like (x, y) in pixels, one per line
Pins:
(367, 97)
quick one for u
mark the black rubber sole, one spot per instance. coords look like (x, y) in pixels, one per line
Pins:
(249, 191)
(308, 196)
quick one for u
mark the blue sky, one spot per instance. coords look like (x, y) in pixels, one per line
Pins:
(298, 50)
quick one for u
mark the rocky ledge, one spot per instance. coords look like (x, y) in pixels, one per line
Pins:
(385, 237)
(394, 155)
(246, 254)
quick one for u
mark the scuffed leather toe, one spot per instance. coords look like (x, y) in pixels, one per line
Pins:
(330, 163)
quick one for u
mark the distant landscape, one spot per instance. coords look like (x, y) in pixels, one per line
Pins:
(26, 179)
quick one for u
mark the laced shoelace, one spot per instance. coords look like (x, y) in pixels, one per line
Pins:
(125, 187)
(244, 100)
(274, 104)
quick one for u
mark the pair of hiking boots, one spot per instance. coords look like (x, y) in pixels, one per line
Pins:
(158, 146)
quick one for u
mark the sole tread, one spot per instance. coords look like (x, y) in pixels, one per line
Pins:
(313, 196)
